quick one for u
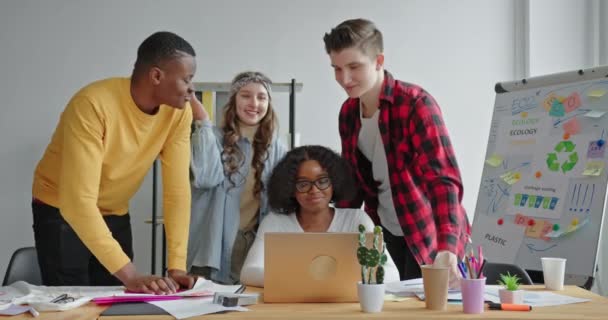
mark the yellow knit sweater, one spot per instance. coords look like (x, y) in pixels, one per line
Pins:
(98, 157)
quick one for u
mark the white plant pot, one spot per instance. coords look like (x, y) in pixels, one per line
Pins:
(371, 297)
(514, 297)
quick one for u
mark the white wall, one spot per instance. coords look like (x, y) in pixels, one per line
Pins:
(559, 36)
(457, 50)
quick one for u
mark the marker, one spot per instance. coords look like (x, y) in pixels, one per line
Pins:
(481, 260)
(509, 307)
(480, 272)
(461, 268)
(34, 312)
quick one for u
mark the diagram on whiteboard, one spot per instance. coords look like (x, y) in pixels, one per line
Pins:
(543, 185)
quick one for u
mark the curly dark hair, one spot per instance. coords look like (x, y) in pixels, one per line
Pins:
(159, 47)
(282, 183)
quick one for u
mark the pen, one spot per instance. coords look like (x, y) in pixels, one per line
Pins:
(480, 256)
(464, 268)
(34, 312)
(470, 268)
(509, 307)
(462, 272)
(474, 264)
(472, 260)
(480, 271)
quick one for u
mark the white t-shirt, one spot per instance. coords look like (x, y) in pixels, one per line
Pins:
(345, 220)
(371, 145)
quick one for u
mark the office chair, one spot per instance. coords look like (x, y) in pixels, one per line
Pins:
(23, 266)
(492, 272)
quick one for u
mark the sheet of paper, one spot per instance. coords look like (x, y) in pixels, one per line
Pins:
(494, 161)
(13, 310)
(456, 296)
(596, 149)
(539, 298)
(511, 177)
(406, 288)
(597, 93)
(542, 198)
(570, 229)
(502, 243)
(593, 168)
(40, 297)
(392, 297)
(595, 114)
(201, 288)
(191, 307)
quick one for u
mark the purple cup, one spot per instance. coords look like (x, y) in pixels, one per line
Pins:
(472, 295)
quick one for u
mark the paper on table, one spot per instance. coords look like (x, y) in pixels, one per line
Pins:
(185, 308)
(40, 297)
(456, 296)
(394, 298)
(408, 288)
(13, 310)
(9, 294)
(539, 298)
(532, 298)
(202, 288)
(134, 298)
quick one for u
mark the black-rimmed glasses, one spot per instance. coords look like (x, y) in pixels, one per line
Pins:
(305, 185)
(64, 298)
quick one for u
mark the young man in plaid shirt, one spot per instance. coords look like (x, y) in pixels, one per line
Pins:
(394, 137)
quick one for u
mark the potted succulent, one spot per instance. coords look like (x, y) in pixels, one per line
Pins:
(371, 288)
(510, 293)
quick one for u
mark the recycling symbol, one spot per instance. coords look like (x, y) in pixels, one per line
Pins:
(566, 147)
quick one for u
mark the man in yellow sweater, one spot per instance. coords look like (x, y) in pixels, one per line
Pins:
(107, 138)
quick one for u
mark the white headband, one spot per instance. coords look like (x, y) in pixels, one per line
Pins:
(248, 78)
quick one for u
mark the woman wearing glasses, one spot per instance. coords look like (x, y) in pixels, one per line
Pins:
(300, 190)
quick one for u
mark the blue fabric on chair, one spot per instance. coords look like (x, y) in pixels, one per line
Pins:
(23, 267)
(492, 272)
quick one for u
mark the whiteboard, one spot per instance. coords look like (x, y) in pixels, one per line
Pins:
(543, 186)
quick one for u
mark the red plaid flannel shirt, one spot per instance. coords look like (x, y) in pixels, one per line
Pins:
(424, 177)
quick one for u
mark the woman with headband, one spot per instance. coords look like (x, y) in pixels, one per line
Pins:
(228, 170)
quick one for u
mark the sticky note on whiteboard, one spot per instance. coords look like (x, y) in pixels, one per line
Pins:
(593, 168)
(495, 160)
(572, 126)
(598, 93)
(511, 177)
(595, 114)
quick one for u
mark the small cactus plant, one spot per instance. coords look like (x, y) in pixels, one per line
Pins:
(509, 281)
(372, 260)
